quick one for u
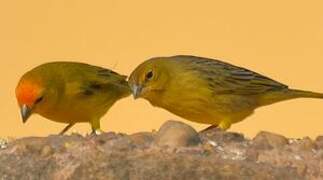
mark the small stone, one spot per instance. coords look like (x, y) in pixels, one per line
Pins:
(233, 137)
(121, 143)
(297, 157)
(104, 137)
(176, 134)
(305, 144)
(220, 148)
(46, 151)
(3, 143)
(319, 142)
(292, 141)
(212, 143)
(222, 137)
(266, 140)
(252, 154)
(142, 138)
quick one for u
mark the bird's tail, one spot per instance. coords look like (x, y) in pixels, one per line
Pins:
(305, 94)
(277, 96)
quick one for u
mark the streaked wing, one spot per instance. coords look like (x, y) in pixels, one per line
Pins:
(110, 77)
(101, 79)
(225, 78)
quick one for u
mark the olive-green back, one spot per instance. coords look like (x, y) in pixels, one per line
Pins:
(225, 78)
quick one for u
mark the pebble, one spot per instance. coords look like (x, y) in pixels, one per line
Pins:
(177, 134)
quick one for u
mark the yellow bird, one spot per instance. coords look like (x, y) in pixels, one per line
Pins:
(206, 90)
(70, 92)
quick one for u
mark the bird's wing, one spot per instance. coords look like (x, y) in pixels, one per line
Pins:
(103, 80)
(225, 78)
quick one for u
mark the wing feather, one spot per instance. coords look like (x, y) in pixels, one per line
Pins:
(100, 80)
(225, 78)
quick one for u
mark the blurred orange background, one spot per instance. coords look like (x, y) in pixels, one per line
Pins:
(281, 39)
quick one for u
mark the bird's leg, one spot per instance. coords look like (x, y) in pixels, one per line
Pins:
(225, 124)
(95, 124)
(209, 128)
(66, 128)
(96, 132)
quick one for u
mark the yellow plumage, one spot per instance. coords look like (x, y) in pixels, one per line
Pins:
(207, 91)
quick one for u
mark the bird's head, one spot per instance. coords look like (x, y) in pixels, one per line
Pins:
(149, 78)
(30, 94)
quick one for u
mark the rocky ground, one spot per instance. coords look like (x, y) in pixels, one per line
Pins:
(176, 152)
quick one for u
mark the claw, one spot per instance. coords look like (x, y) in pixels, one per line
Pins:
(96, 132)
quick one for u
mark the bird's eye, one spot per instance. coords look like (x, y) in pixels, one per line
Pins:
(149, 75)
(39, 100)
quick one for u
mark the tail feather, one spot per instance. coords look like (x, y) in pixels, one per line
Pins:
(305, 94)
(277, 96)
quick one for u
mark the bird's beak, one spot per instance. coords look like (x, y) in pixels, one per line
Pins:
(25, 112)
(136, 91)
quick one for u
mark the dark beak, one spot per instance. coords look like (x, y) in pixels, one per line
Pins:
(25, 113)
(136, 91)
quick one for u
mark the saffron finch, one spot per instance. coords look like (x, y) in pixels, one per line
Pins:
(70, 92)
(206, 90)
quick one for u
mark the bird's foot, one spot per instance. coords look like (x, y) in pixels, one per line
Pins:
(96, 132)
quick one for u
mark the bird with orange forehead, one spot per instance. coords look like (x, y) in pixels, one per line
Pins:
(206, 90)
(70, 92)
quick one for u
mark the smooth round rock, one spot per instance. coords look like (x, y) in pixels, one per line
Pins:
(267, 140)
(177, 134)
